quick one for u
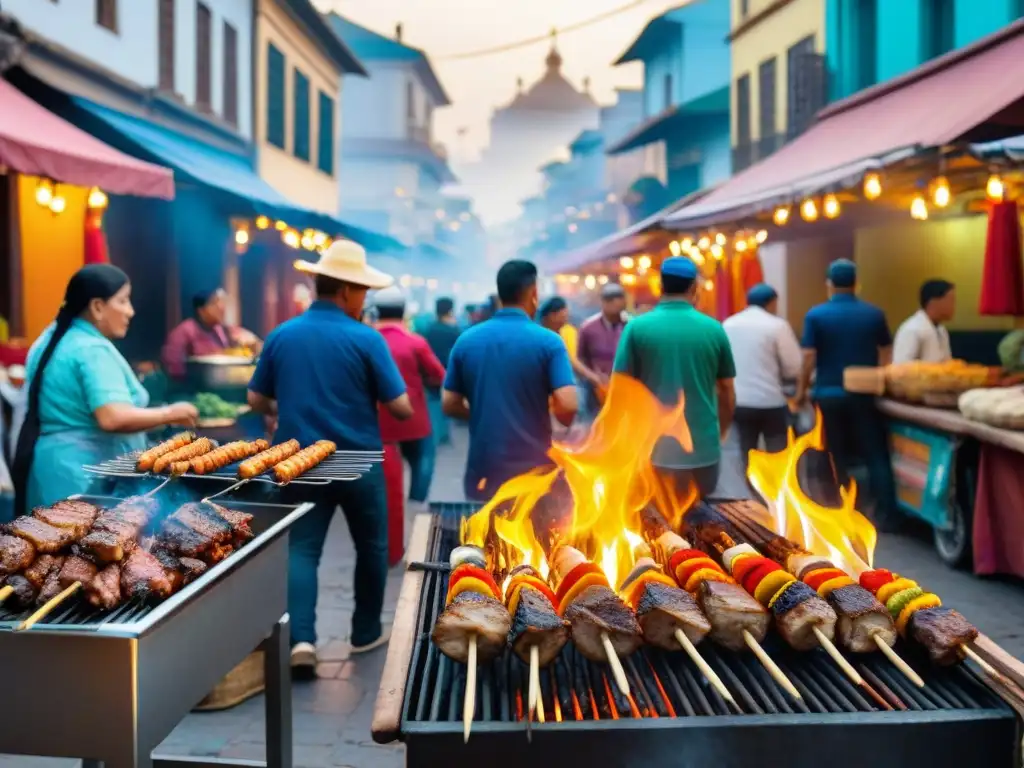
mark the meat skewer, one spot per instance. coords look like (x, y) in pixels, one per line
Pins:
(181, 455)
(266, 459)
(229, 453)
(603, 627)
(864, 623)
(474, 625)
(303, 461)
(148, 458)
(737, 620)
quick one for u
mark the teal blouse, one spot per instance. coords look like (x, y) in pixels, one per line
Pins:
(85, 373)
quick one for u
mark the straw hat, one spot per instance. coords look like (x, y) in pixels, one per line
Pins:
(346, 261)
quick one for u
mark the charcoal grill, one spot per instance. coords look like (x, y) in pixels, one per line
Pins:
(110, 686)
(673, 716)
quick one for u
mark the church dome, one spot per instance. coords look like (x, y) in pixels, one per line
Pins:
(553, 92)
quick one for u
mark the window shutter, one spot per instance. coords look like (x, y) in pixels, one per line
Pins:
(275, 96)
(301, 122)
(203, 53)
(106, 14)
(325, 136)
(165, 46)
(230, 74)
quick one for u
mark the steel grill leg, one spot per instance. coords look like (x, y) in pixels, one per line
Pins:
(277, 671)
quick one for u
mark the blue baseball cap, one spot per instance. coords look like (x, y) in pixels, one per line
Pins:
(842, 273)
(679, 266)
(761, 295)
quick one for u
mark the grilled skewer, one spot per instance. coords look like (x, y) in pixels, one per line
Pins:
(265, 460)
(184, 454)
(148, 458)
(229, 453)
(303, 461)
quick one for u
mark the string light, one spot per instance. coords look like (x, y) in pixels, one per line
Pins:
(629, 279)
(97, 200)
(57, 204)
(280, 226)
(291, 238)
(717, 252)
(241, 236)
(626, 262)
(809, 210)
(940, 192)
(686, 244)
(590, 281)
(674, 248)
(830, 206)
(44, 192)
(307, 241)
(781, 215)
(704, 243)
(644, 262)
(319, 239)
(761, 236)
(709, 285)
(741, 246)
(872, 186)
(602, 280)
(574, 279)
(995, 189)
(919, 209)
(720, 239)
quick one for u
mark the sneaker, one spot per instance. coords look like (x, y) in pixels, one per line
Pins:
(303, 661)
(367, 647)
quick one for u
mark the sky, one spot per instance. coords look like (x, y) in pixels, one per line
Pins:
(477, 86)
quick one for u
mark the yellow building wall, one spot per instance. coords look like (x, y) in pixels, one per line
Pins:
(298, 180)
(893, 261)
(771, 36)
(52, 250)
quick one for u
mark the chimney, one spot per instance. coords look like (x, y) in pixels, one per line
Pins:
(398, 31)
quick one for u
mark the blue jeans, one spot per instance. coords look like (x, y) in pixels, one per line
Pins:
(365, 506)
(438, 421)
(420, 454)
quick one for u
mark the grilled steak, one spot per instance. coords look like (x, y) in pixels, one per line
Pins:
(861, 617)
(104, 591)
(77, 568)
(472, 614)
(15, 554)
(40, 569)
(142, 576)
(46, 538)
(731, 610)
(598, 611)
(536, 623)
(662, 609)
(201, 519)
(798, 611)
(942, 631)
(181, 540)
(75, 515)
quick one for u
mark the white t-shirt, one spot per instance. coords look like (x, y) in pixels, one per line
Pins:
(919, 339)
(766, 353)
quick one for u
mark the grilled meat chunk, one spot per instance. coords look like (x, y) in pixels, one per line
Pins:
(536, 623)
(75, 515)
(40, 569)
(731, 610)
(662, 609)
(472, 614)
(51, 587)
(942, 631)
(239, 522)
(861, 617)
(115, 533)
(179, 571)
(202, 519)
(105, 546)
(104, 591)
(183, 541)
(77, 568)
(598, 611)
(16, 554)
(142, 576)
(24, 594)
(46, 538)
(798, 611)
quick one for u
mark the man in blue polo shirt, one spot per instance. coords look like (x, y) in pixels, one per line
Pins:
(845, 332)
(502, 376)
(323, 374)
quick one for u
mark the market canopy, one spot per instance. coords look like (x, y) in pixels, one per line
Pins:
(226, 172)
(36, 142)
(974, 94)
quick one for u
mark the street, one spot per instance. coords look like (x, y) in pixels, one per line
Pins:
(332, 715)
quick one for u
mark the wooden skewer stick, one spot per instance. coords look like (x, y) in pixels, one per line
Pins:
(898, 661)
(616, 664)
(838, 658)
(987, 668)
(469, 702)
(769, 664)
(535, 700)
(5, 592)
(705, 668)
(48, 607)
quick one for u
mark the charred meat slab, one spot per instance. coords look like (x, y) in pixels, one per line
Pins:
(46, 538)
(77, 568)
(536, 624)
(143, 576)
(598, 611)
(942, 631)
(861, 618)
(663, 609)
(471, 614)
(731, 611)
(104, 591)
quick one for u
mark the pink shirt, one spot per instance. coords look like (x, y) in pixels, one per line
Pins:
(192, 339)
(598, 342)
(419, 366)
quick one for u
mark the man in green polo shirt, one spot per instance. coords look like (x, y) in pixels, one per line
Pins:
(676, 349)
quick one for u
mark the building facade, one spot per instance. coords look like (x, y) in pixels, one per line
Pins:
(300, 64)
(392, 169)
(779, 79)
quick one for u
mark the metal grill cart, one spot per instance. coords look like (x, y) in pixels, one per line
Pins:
(110, 686)
(673, 717)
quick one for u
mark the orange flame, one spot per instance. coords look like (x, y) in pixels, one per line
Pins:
(609, 476)
(842, 534)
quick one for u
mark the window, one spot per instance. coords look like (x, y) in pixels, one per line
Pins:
(275, 96)
(767, 126)
(743, 110)
(230, 74)
(204, 74)
(300, 147)
(669, 97)
(806, 85)
(106, 14)
(325, 135)
(165, 45)
(865, 50)
(937, 27)
(744, 8)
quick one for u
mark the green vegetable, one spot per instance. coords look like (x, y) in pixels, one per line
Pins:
(212, 406)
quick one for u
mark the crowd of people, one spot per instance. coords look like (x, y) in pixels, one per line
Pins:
(516, 376)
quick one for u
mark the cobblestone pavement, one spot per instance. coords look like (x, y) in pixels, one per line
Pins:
(332, 715)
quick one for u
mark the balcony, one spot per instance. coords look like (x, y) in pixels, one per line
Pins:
(419, 133)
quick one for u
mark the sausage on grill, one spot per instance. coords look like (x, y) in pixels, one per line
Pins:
(183, 454)
(221, 457)
(303, 461)
(148, 458)
(264, 460)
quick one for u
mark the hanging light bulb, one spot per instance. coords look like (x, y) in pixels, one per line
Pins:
(58, 204)
(674, 248)
(602, 280)
(940, 192)
(995, 189)
(919, 209)
(44, 192)
(720, 239)
(761, 236)
(626, 262)
(687, 243)
(830, 206)
(590, 281)
(629, 279)
(741, 246)
(709, 285)
(809, 210)
(644, 262)
(872, 186)
(291, 238)
(262, 222)
(704, 243)
(717, 252)
(241, 236)
(97, 199)
(781, 215)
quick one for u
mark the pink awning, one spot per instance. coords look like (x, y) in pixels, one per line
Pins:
(973, 94)
(37, 142)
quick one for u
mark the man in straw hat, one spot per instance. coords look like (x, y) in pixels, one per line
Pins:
(323, 375)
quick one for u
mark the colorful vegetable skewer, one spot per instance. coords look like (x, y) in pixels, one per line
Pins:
(737, 620)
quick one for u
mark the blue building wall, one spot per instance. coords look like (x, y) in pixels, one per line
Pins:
(862, 51)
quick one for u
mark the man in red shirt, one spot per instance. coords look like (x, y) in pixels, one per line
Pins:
(420, 368)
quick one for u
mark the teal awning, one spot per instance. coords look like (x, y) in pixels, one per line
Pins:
(673, 121)
(223, 172)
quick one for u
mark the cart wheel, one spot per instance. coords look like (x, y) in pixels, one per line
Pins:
(954, 546)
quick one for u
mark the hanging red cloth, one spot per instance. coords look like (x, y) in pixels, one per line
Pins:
(723, 286)
(395, 491)
(95, 238)
(1002, 278)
